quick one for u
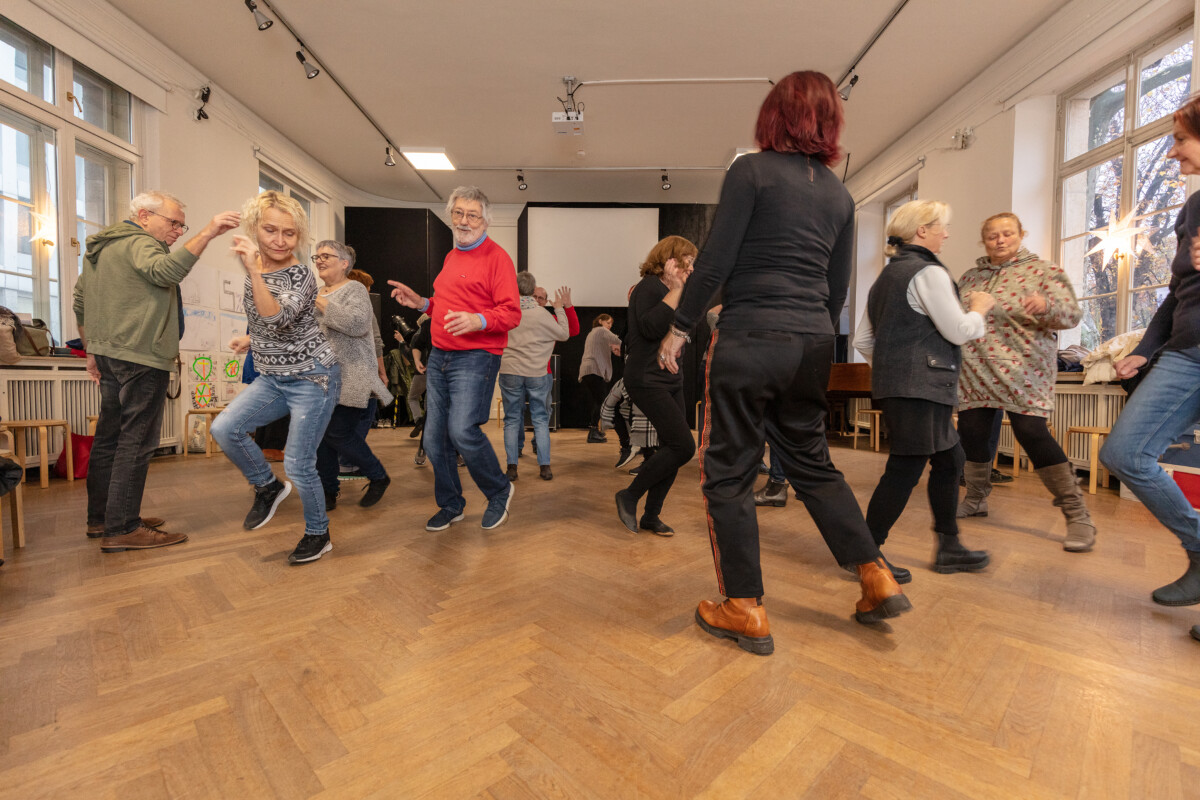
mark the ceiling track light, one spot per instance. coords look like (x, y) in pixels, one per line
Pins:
(521, 184)
(309, 70)
(260, 19)
(845, 93)
(666, 181)
(390, 161)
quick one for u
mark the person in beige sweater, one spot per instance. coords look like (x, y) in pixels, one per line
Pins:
(523, 373)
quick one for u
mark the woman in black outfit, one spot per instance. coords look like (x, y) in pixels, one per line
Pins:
(780, 250)
(659, 394)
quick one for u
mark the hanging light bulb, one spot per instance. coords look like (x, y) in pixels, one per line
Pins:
(390, 161)
(260, 19)
(845, 93)
(309, 70)
(666, 182)
(521, 184)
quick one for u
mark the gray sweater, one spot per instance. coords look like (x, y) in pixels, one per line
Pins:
(346, 322)
(530, 343)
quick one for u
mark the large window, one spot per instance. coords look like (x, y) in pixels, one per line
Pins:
(274, 181)
(65, 143)
(1116, 131)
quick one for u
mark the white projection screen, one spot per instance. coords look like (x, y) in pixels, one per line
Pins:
(595, 251)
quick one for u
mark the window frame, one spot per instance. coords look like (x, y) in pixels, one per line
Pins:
(318, 203)
(1124, 147)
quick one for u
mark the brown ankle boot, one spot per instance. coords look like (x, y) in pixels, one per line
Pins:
(1060, 480)
(743, 619)
(141, 539)
(882, 597)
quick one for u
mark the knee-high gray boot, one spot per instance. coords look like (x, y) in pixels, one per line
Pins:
(978, 477)
(1060, 480)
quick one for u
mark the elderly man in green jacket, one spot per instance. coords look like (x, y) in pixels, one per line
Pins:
(127, 297)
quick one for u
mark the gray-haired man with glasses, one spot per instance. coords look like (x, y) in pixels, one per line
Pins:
(128, 299)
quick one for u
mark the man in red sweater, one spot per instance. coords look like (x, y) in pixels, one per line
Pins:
(474, 305)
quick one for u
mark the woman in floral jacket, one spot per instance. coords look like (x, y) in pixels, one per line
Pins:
(1012, 369)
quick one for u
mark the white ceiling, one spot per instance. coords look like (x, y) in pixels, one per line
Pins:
(481, 81)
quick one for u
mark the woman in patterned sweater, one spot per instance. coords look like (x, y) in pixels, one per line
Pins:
(297, 370)
(1012, 369)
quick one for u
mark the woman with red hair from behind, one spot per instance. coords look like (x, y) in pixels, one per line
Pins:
(780, 250)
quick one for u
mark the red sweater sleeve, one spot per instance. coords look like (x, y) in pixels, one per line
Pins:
(572, 322)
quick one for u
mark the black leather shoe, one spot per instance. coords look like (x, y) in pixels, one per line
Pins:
(655, 526)
(627, 510)
(374, 492)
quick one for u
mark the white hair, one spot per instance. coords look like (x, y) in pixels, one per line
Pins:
(471, 194)
(152, 200)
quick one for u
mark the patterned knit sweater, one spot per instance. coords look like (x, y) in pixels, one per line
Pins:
(290, 342)
(1014, 365)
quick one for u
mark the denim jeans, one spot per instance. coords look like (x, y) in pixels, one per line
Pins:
(343, 443)
(776, 474)
(458, 398)
(132, 398)
(515, 389)
(1166, 404)
(268, 399)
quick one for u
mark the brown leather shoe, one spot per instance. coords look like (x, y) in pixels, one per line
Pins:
(273, 455)
(96, 531)
(141, 539)
(743, 619)
(882, 596)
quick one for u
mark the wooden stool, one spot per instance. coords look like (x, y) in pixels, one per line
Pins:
(200, 412)
(1093, 452)
(873, 424)
(92, 420)
(16, 501)
(19, 426)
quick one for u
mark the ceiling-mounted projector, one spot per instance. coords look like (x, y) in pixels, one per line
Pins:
(568, 122)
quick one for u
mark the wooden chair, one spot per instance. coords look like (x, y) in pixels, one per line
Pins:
(209, 414)
(16, 501)
(92, 421)
(1016, 465)
(1094, 467)
(43, 426)
(873, 423)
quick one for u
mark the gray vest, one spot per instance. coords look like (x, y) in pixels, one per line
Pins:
(911, 358)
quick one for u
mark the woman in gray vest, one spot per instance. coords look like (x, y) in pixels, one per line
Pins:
(914, 377)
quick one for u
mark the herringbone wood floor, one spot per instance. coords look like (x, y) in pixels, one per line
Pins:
(557, 656)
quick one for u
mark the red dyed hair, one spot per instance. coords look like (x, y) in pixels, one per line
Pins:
(802, 114)
(1189, 116)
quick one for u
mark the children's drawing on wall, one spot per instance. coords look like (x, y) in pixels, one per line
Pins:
(201, 367)
(199, 288)
(202, 395)
(233, 369)
(231, 326)
(229, 390)
(232, 288)
(201, 380)
(201, 329)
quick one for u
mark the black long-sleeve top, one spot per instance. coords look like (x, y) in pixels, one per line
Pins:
(1176, 324)
(649, 320)
(781, 246)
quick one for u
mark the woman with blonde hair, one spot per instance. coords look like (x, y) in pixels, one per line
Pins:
(658, 393)
(298, 373)
(911, 333)
(1012, 368)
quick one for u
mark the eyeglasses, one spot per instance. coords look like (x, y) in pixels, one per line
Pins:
(320, 257)
(472, 218)
(176, 225)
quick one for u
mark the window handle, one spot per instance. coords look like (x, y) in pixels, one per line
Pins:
(71, 96)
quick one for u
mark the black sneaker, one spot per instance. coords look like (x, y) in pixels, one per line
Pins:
(374, 492)
(330, 501)
(497, 510)
(596, 437)
(266, 500)
(1001, 477)
(310, 548)
(443, 519)
(627, 454)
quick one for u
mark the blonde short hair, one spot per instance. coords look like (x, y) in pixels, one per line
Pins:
(912, 215)
(256, 206)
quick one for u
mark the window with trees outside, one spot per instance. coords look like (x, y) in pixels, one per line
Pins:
(1115, 131)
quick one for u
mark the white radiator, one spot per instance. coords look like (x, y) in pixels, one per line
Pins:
(58, 388)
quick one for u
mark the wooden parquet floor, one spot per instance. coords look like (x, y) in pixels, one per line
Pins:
(557, 657)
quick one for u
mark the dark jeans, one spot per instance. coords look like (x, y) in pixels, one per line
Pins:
(343, 442)
(975, 427)
(665, 410)
(771, 385)
(900, 477)
(132, 397)
(458, 399)
(597, 389)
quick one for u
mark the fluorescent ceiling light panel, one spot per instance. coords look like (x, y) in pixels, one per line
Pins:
(427, 158)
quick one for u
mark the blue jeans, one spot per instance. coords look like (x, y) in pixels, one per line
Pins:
(132, 398)
(1166, 404)
(343, 443)
(515, 389)
(458, 399)
(776, 474)
(268, 399)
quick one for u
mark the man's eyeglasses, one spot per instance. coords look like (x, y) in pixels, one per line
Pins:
(320, 257)
(176, 225)
(472, 218)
